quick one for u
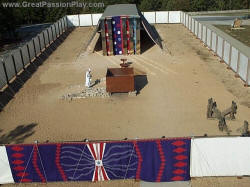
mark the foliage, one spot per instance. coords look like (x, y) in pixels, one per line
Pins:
(11, 18)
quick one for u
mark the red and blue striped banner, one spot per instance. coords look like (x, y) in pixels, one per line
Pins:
(159, 160)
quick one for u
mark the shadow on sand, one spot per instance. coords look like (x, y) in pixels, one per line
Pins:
(18, 135)
(140, 82)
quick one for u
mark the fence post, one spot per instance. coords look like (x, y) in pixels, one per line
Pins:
(211, 39)
(48, 36)
(39, 43)
(34, 46)
(5, 72)
(168, 17)
(230, 54)
(248, 73)
(223, 44)
(21, 53)
(216, 43)
(206, 38)
(44, 40)
(28, 52)
(79, 20)
(238, 63)
(66, 22)
(201, 32)
(13, 60)
(155, 17)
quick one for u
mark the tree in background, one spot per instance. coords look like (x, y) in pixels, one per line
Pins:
(175, 5)
(11, 18)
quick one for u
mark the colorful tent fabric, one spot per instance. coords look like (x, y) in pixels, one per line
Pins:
(117, 35)
(159, 160)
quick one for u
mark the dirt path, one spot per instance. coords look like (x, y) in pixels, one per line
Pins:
(173, 102)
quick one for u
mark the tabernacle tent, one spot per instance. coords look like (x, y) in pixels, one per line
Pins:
(120, 27)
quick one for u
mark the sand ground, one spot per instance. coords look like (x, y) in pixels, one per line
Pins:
(171, 103)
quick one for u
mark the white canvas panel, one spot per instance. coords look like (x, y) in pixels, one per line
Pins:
(31, 49)
(248, 78)
(96, 18)
(73, 21)
(5, 171)
(182, 17)
(46, 38)
(174, 16)
(18, 60)
(186, 19)
(234, 59)
(41, 41)
(10, 68)
(200, 30)
(37, 45)
(226, 52)
(53, 28)
(222, 156)
(60, 27)
(193, 26)
(196, 28)
(243, 66)
(3, 80)
(220, 46)
(57, 29)
(213, 41)
(25, 54)
(190, 23)
(150, 16)
(85, 20)
(50, 35)
(208, 37)
(204, 34)
(62, 24)
(161, 17)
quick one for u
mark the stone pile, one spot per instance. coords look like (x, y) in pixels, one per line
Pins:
(88, 93)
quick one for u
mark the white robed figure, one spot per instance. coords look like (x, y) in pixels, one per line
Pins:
(88, 78)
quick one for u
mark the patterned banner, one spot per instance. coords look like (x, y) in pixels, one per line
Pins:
(159, 160)
(117, 35)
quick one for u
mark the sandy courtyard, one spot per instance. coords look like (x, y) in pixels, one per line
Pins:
(173, 102)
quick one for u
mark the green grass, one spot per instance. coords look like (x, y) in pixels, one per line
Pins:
(243, 35)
